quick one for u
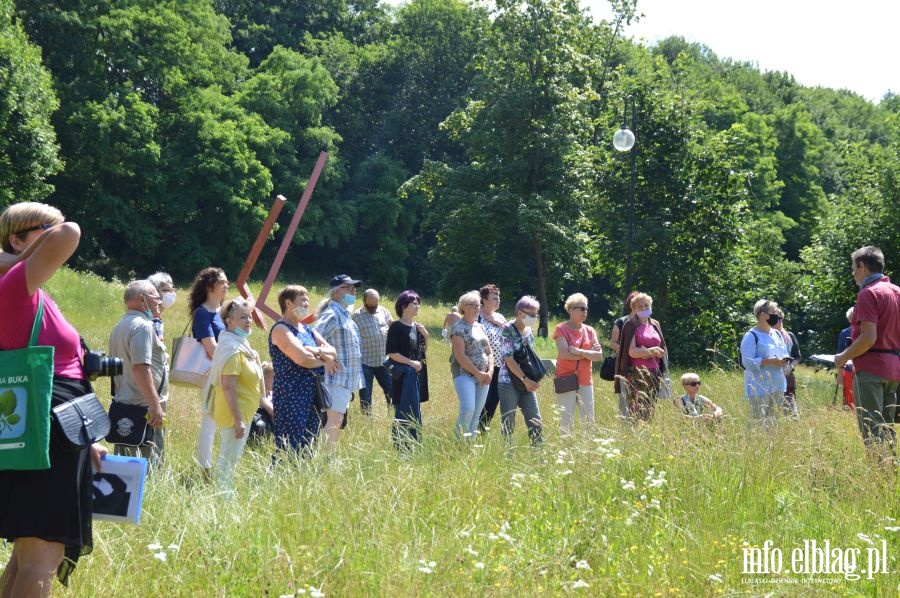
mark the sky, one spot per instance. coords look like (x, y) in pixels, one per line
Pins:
(842, 44)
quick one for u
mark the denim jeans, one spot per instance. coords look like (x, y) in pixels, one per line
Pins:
(765, 407)
(406, 429)
(383, 376)
(512, 398)
(472, 396)
(491, 403)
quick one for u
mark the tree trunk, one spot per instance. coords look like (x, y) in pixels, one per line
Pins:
(542, 286)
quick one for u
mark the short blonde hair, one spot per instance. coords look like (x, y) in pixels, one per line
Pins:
(763, 305)
(573, 298)
(690, 377)
(24, 215)
(466, 298)
(638, 296)
(228, 307)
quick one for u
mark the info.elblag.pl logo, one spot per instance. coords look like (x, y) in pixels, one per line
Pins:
(817, 558)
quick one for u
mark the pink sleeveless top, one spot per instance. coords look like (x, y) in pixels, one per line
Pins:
(18, 309)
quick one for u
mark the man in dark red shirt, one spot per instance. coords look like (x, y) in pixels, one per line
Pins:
(875, 350)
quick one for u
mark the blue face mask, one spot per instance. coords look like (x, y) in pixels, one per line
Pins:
(349, 299)
(242, 333)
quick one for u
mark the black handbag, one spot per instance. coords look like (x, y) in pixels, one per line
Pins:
(128, 424)
(528, 361)
(322, 396)
(80, 422)
(608, 369)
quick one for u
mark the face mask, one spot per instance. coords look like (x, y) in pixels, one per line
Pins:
(774, 319)
(168, 300)
(530, 320)
(645, 313)
(301, 312)
(349, 300)
(242, 333)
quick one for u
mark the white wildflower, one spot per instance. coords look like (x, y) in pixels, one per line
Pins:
(316, 592)
(479, 565)
(471, 551)
(425, 570)
(566, 472)
(579, 584)
(516, 485)
(893, 529)
(154, 546)
(583, 564)
(173, 547)
(716, 578)
(627, 484)
(160, 556)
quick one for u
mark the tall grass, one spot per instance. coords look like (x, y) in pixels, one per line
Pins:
(663, 509)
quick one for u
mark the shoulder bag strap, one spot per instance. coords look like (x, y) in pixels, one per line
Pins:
(190, 321)
(38, 318)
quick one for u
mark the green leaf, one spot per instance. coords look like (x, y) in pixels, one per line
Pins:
(13, 419)
(7, 402)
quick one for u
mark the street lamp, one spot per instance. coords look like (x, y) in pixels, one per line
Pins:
(624, 141)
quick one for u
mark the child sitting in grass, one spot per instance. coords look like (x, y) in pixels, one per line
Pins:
(694, 404)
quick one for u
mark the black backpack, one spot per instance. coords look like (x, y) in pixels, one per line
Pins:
(740, 359)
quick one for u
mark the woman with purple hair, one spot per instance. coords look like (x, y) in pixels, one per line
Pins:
(405, 346)
(522, 393)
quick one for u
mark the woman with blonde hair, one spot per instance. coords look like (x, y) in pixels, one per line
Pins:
(235, 387)
(471, 363)
(46, 513)
(639, 363)
(577, 348)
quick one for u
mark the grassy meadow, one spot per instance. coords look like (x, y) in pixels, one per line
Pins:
(664, 509)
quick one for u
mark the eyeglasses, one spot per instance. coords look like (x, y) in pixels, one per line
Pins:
(44, 226)
(156, 298)
(580, 307)
(692, 384)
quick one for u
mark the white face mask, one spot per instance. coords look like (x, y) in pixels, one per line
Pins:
(301, 312)
(531, 321)
(168, 299)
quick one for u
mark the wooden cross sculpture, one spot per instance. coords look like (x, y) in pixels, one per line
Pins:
(260, 306)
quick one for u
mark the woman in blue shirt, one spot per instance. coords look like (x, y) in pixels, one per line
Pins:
(764, 355)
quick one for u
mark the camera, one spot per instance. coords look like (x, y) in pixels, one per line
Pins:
(96, 363)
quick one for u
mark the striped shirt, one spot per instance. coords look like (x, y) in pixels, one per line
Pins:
(338, 329)
(373, 334)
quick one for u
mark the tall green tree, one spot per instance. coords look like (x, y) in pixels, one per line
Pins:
(28, 150)
(526, 132)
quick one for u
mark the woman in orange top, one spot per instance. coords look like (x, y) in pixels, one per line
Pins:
(576, 348)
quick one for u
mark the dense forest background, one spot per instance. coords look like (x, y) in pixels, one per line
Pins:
(467, 144)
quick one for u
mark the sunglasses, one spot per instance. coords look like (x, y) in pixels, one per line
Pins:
(580, 307)
(36, 227)
(692, 384)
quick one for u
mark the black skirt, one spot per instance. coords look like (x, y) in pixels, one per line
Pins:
(55, 504)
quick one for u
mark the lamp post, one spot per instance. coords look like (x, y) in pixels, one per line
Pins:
(624, 140)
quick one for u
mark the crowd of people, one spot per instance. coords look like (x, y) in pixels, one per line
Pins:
(322, 358)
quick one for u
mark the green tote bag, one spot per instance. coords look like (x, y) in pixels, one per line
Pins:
(26, 383)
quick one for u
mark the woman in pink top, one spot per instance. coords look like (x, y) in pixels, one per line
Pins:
(46, 513)
(577, 348)
(638, 369)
